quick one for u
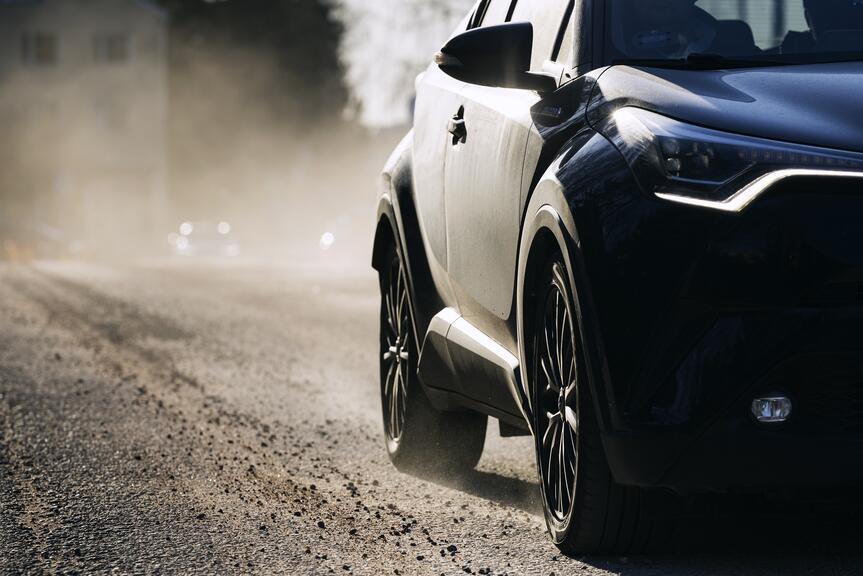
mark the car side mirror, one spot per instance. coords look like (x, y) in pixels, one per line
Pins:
(497, 56)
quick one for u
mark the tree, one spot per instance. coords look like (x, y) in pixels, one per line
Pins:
(251, 81)
(385, 44)
(278, 56)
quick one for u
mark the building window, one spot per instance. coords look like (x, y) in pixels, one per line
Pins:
(111, 48)
(39, 48)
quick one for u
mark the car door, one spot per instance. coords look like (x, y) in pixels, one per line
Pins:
(437, 94)
(484, 189)
(484, 175)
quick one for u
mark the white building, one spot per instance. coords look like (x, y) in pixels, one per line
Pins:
(84, 110)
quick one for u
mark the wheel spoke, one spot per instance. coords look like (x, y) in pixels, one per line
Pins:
(572, 438)
(403, 390)
(560, 473)
(553, 379)
(572, 380)
(562, 476)
(572, 419)
(391, 321)
(402, 401)
(389, 380)
(402, 309)
(549, 434)
(552, 384)
(549, 475)
(391, 311)
(558, 335)
(394, 403)
(562, 485)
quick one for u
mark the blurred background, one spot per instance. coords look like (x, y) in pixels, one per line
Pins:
(187, 129)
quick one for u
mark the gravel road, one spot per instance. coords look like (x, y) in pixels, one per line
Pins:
(212, 419)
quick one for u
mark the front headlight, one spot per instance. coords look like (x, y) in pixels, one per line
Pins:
(703, 167)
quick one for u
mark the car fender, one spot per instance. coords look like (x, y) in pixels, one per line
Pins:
(397, 222)
(396, 184)
(548, 218)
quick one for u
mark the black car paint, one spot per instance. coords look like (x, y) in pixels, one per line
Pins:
(815, 104)
(686, 312)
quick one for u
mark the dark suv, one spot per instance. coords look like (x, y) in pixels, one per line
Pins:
(634, 230)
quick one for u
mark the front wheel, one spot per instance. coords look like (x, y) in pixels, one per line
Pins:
(585, 510)
(418, 437)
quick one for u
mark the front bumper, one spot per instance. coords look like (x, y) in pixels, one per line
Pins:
(702, 311)
(702, 436)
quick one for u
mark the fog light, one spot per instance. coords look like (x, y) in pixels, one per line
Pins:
(772, 409)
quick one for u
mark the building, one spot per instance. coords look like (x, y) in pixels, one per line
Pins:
(84, 111)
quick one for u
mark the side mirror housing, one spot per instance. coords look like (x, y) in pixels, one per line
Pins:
(497, 56)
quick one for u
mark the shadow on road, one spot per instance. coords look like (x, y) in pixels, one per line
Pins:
(504, 490)
(717, 534)
(749, 535)
(745, 536)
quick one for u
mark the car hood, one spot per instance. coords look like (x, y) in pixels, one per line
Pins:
(815, 104)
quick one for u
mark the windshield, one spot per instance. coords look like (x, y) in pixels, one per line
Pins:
(778, 31)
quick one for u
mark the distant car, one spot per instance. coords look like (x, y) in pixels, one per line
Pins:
(204, 240)
(28, 240)
(632, 229)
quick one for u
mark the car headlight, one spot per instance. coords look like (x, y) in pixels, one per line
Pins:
(703, 167)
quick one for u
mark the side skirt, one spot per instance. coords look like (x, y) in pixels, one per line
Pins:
(460, 363)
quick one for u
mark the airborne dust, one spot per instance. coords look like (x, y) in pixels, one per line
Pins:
(125, 119)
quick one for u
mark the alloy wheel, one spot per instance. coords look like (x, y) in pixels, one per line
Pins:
(396, 351)
(557, 404)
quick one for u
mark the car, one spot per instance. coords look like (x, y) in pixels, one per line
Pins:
(631, 229)
(204, 240)
(23, 240)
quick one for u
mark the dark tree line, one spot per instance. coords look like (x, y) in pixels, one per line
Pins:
(252, 84)
(262, 48)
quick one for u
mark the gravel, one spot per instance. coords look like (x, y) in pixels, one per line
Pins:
(215, 419)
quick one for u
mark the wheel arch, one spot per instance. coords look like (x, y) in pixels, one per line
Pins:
(397, 225)
(393, 179)
(550, 228)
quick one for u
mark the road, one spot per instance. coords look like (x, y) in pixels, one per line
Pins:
(210, 419)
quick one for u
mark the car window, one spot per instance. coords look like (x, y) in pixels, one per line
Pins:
(792, 31)
(478, 15)
(547, 18)
(498, 12)
(582, 29)
(564, 52)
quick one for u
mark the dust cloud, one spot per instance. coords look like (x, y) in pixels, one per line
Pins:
(294, 177)
(124, 120)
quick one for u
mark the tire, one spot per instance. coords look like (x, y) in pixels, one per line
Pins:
(419, 438)
(586, 512)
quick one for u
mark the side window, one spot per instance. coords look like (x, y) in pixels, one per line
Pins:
(547, 17)
(564, 52)
(582, 28)
(499, 11)
(478, 15)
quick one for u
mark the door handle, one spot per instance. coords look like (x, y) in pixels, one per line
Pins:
(458, 129)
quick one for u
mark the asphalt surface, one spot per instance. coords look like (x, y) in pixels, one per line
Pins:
(166, 419)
